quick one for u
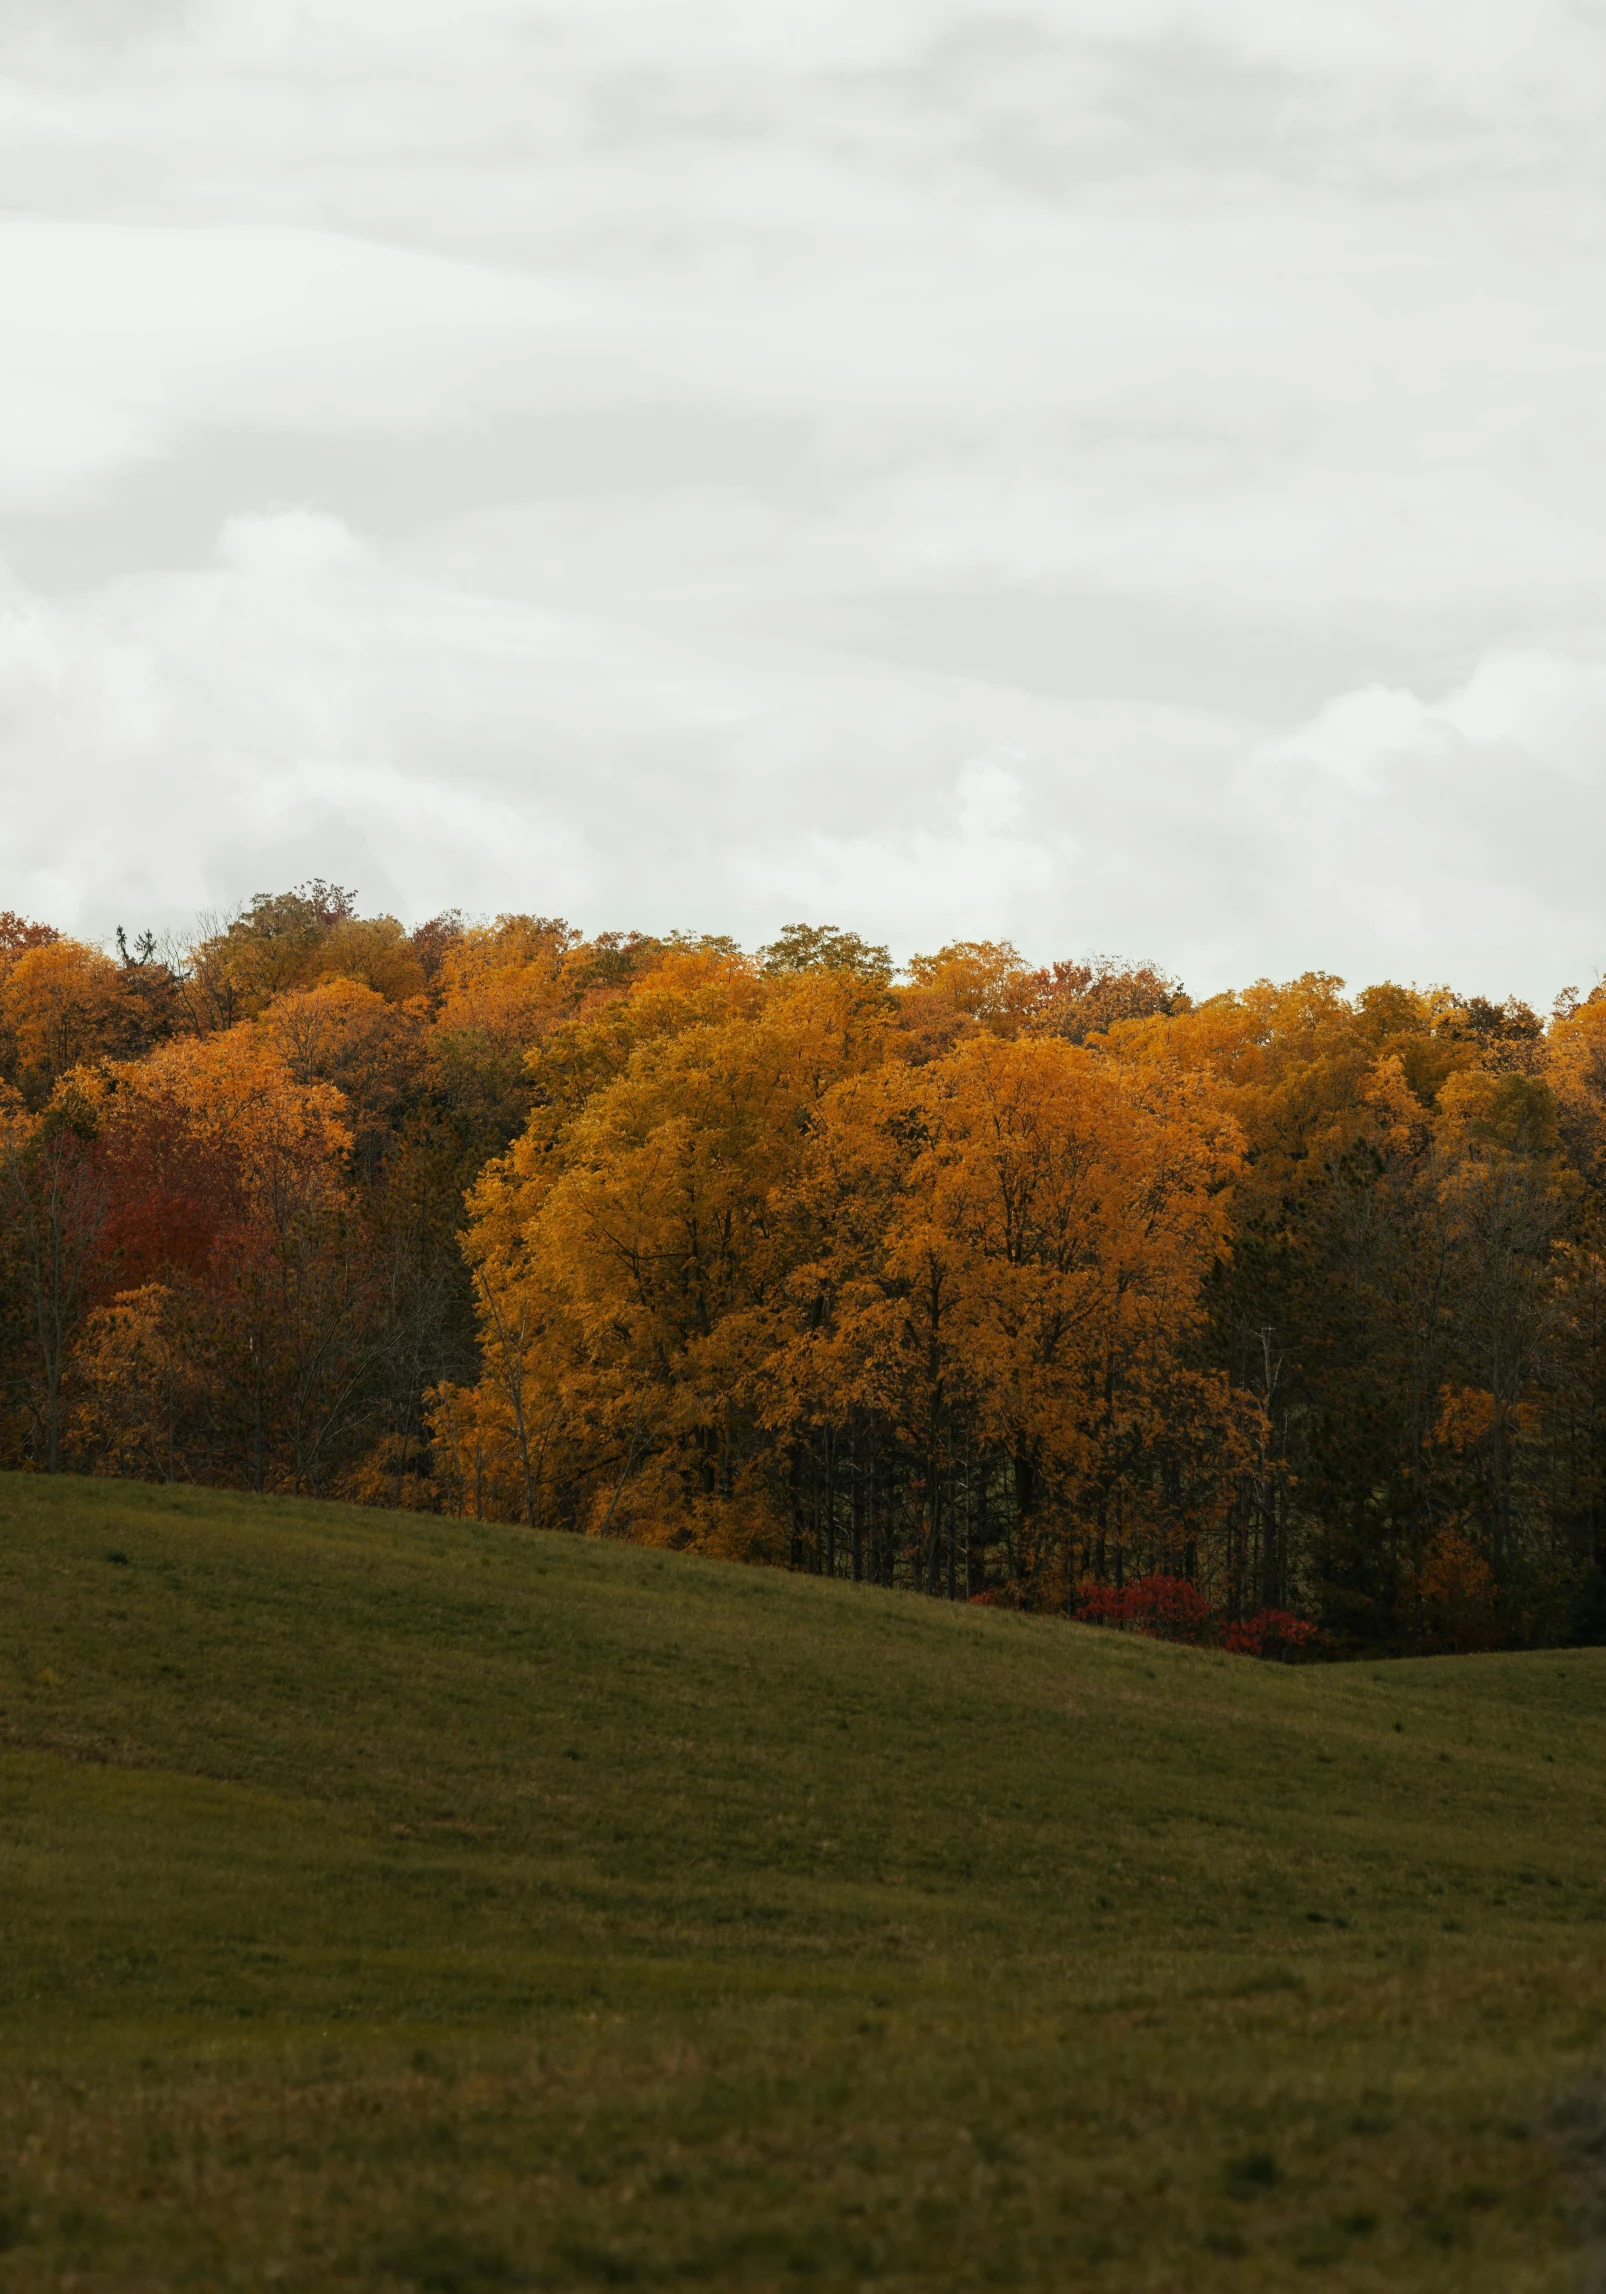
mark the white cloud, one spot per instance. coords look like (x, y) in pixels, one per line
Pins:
(1457, 838)
(991, 800)
(300, 706)
(114, 339)
(290, 542)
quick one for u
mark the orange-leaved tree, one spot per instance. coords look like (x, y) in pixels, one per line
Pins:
(999, 1305)
(629, 1256)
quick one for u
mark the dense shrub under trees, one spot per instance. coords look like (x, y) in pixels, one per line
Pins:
(1241, 1319)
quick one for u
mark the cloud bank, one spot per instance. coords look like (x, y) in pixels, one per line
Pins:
(1119, 477)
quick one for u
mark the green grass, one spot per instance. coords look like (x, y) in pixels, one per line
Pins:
(387, 1902)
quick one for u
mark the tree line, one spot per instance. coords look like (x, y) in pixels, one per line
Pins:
(1276, 1316)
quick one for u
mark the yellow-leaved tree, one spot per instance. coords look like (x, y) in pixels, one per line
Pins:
(997, 1317)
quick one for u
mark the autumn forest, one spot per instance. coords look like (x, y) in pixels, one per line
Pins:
(1276, 1319)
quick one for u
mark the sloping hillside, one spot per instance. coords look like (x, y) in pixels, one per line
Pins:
(387, 1901)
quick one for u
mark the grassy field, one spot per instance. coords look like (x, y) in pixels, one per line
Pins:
(389, 1902)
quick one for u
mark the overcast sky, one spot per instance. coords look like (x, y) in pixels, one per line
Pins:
(1124, 476)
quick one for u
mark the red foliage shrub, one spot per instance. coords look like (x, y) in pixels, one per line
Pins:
(1174, 1609)
(1275, 1633)
(1165, 1608)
